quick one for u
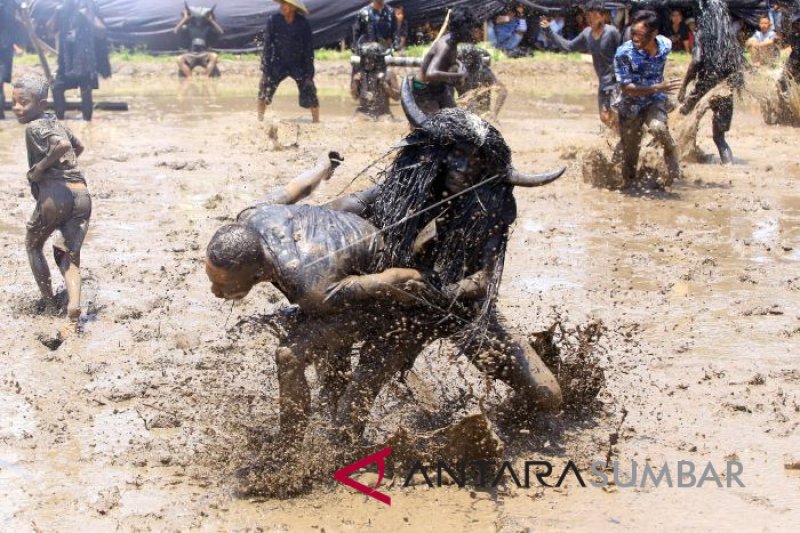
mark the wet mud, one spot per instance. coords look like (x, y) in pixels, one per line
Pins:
(672, 321)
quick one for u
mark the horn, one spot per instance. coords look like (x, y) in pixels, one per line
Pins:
(186, 5)
(534, 180)
(213, 8)
(414, 114)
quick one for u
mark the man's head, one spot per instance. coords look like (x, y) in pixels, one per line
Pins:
(471, 56)
(378, 4)
(287, 9)
(596, 13)
(644, 29)
(400, 13)
(30, 98)
(373, 57)
(462, 24)
(235, 261)
(691, 24)
(764, 24)
(463, 166)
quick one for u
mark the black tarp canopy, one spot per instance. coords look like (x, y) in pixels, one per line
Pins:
(148, 23)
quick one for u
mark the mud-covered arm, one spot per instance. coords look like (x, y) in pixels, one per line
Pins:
(391, 85)
(57, 149)
(181, 23)
(76, 143)
(475, 286)
(304, 184)
(436, 70)
(358, 203)
(214, 24)
(393, 283)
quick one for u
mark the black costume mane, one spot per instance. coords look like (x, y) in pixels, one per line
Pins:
(480, 217)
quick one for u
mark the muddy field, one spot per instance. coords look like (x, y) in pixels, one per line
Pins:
(141, 422)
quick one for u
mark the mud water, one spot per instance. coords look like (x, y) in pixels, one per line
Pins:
(140, 422)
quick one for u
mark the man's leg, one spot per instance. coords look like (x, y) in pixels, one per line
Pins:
(2, 98)
(630, 130)
(655, 117)
(184, 69)
(68, 255)
(379, 360)
(308, 96)
(211, 66)
(41, 225)
(722, 109)
(87, 102)
(59, 99)
(266, 90)
(507, 357)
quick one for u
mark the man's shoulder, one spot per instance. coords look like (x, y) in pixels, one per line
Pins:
(41, 125)
(625, 49)
(664, 44)
(609, 29)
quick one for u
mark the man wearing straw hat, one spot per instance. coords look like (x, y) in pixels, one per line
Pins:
(288, 53)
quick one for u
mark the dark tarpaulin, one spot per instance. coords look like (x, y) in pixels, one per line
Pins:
(149, 23)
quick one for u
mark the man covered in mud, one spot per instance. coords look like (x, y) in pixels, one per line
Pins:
(601, 40)
(435, 275)
(288, 53)
(62, 199)
(373, 84)
(82, 54)
(198, 26)
(639, 66)
(717, 58)
(475, 94)
(434, 87)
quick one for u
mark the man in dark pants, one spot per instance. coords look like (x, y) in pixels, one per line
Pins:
(288, 53)
(639, 66)
(8, 16)
(716, 58)
(601, 40)
(82, 54)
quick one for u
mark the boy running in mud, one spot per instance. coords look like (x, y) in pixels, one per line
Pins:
(62, 199)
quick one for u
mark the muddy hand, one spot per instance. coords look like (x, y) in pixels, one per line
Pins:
(343, 287)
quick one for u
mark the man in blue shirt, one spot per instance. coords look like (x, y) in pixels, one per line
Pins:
(639, 67)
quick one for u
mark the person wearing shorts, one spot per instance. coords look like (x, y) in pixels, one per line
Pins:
(288, 53)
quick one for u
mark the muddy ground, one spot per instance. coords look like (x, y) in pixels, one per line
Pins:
(141, 422)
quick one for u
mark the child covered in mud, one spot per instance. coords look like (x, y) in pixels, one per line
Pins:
(62, 198)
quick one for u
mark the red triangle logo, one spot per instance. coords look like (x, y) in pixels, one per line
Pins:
(343, 475)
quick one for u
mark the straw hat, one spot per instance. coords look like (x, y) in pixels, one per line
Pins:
(296, 3)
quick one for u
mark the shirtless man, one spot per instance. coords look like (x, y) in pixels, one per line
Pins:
(62, 199)
(433, 88)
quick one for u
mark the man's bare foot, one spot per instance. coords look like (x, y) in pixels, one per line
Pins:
(69, 329)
